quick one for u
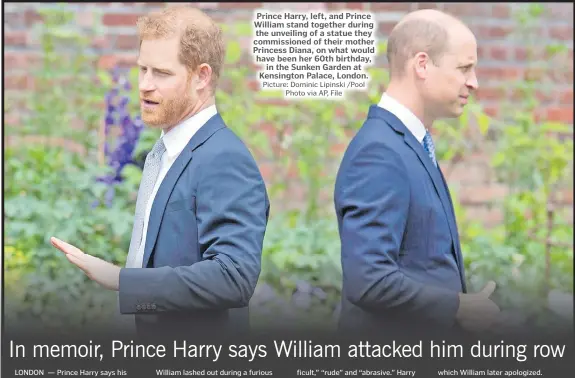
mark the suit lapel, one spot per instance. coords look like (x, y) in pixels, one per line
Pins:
(161, 200)
(458, 252)
(433, 172)
(435, 175)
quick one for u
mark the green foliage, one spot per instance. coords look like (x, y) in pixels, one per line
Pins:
(530, 252)
(535, 159)
(307, 252)
(53, 193)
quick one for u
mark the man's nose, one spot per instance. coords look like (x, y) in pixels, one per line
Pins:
(146, 84)
(472, 82)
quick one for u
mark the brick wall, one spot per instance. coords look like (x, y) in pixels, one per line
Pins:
(501, 58)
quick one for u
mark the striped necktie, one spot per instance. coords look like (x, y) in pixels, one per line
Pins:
(429, 147)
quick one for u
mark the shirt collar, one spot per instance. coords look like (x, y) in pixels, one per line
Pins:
(405, 115)
(177, 138)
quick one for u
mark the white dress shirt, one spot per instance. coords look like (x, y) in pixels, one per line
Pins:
(405, 115)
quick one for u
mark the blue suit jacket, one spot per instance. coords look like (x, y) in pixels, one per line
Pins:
(204, 240)
(400, 249)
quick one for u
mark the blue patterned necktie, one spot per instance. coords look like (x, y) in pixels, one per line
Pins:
(429, 147)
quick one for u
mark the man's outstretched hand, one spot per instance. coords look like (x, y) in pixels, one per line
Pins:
(98, 270)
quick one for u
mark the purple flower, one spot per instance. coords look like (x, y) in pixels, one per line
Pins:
(118, 116)
(110, 118)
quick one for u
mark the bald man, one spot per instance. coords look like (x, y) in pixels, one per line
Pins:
(400, 249)
(202, 207)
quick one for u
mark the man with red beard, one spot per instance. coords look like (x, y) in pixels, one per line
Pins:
(202, 206)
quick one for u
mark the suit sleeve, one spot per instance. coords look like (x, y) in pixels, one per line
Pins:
(232, 213)
(372, 199)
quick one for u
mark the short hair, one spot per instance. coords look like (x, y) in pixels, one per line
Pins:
(416, 35)
(201, 39)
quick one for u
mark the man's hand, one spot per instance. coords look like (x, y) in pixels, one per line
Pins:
(98, 270)
(476, 311)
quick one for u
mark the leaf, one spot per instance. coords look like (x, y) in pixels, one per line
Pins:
(243, 29)
(233, 52)
(464, 119)
(555, 49)
(536, 9)
(132, 174)
(104, 78)
(483, 122)
(271, 94)
(557, 127)
(449, 154)
(382, 47)
(498, 159)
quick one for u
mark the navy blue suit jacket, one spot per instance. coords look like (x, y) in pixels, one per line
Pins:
(400, 249)
(204, 240)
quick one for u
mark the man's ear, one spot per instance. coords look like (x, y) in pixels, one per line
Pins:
(203, 76)
(421, 63)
